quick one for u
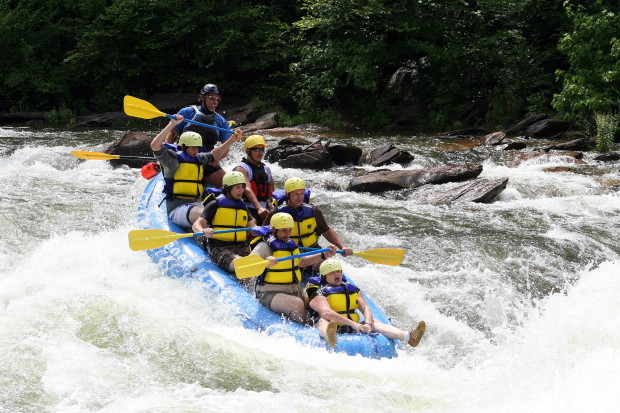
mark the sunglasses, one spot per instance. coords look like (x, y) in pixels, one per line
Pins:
(257, 149)
(214, 98)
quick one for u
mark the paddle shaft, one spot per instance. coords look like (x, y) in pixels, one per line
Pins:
(304, 254)
(316, 249)
(195, 122)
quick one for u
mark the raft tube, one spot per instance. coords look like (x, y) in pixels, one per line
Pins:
(184, 258)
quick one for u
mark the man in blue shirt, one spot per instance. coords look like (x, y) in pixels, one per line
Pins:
(209, 99)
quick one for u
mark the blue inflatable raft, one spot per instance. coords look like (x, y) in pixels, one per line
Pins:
(184, 258)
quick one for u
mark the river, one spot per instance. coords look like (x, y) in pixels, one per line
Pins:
(521, 297)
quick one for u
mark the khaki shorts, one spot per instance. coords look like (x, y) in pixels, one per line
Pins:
(265, 294)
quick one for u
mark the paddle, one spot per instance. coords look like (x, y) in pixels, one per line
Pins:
(142, 109)
(107, 156)
(386, 256)
(146, 239)
(253, 265)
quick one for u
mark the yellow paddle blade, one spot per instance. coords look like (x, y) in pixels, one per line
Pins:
(94, 155)
(386, 256)
(140, 108)
(146, 239)
(251, 266)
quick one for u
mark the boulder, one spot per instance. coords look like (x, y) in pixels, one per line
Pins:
(131, 144)
(547, 128)
(480, 190)
(386, 180)
(345, 154)
(314, 156)
(523, 125)
(608, 157)
(104, 119)
(266, 121)
(574, 145)
(493, 139)
(388, 154)
(515, 146)
(20, 117)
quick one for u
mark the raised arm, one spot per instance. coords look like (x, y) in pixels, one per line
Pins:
(220, 152)
(157, 142)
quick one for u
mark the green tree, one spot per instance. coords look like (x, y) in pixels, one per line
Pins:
(591, 83)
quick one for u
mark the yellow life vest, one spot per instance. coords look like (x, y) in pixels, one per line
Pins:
(284, 272)
(187, 180)
(230, 214)
(343, 299)
(304, 230)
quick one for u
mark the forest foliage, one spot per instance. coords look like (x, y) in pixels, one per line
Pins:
(517, 57)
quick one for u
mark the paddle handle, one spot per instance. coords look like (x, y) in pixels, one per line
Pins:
(195, 122)
(316, 249)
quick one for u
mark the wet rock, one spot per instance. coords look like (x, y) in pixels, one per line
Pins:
(480, 190)
(525, 123)
(266, 121)
(515, 146)
(386, 180)
(388, 154)
(20, 117)
(131, 144)
(574, 145)
(608, 157)
(493, 139)
(105, 119)
(547, 128)
(345, 154)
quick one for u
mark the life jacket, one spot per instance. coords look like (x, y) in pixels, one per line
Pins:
(210, 136)
(259, 179)
(284, 272)
(230, 214)
(304, 230)
(187, 180)
(343, 299)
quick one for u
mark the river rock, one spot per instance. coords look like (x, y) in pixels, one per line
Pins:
(480, 190)
(345, 154)
(266, 121)
(547, 128)
(493, 139)
(314, 156)
(523, 125)
(387, 180)
(574, 145)
(515, 146)
(608, 157)
(131, 144)
(388, 154)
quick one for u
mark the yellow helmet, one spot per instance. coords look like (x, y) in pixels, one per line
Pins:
(330, 265)
(281, 220)
(292, 184)
(254, 140)
(233, 178)
(190, 139)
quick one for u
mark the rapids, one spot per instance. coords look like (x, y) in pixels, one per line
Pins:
(521, 296)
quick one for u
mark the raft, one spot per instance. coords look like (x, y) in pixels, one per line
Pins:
(185, 258)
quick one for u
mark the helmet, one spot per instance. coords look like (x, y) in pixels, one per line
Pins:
(233, 178)
(190, 139)
(254, 140)
(209, 88)
(329, 265)
(281, 220)
(292, 184)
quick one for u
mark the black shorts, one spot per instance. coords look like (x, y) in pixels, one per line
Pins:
(210, 169)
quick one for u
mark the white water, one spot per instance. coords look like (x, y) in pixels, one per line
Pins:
(521, 297)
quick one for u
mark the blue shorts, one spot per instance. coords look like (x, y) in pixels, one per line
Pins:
(180, 215)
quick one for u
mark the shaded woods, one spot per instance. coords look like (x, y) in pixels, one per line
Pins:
(415, 64)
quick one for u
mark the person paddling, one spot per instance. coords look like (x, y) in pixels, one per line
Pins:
(309, 221)
(184, 171)
(260, 186)
(337, 303)
(205, 112)
(279, 288)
